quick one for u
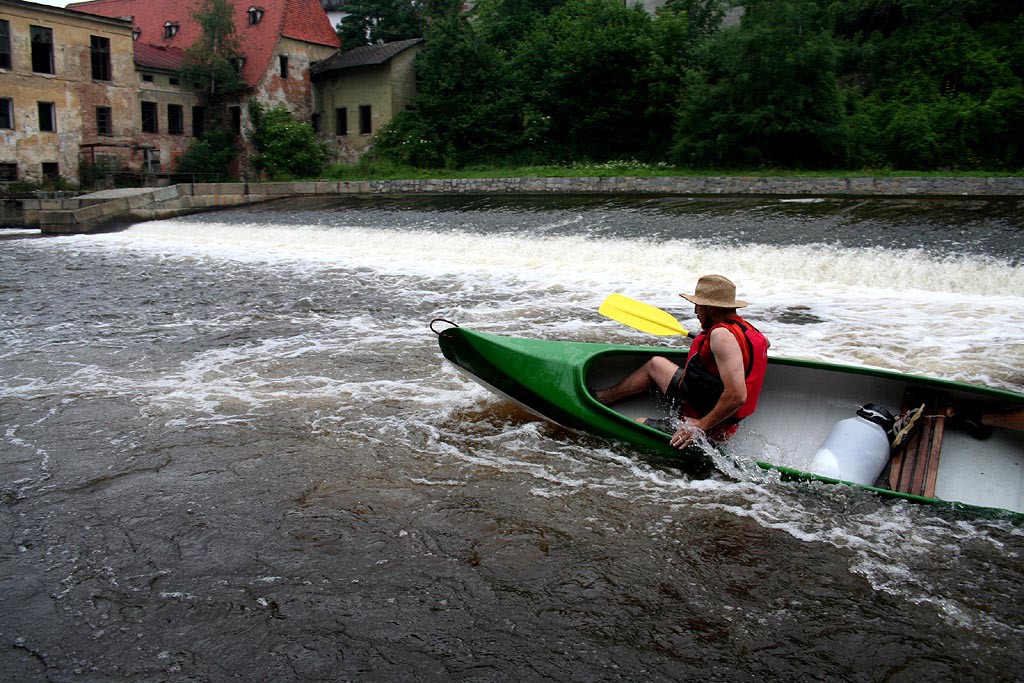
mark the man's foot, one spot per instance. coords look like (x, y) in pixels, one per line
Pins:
(904, 427)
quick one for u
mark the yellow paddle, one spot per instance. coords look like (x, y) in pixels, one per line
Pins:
(643, 317)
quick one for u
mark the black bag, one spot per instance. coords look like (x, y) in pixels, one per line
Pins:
(701, 390)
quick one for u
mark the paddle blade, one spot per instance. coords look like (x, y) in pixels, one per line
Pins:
(643, 317)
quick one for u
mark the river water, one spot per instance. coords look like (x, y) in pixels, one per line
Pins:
(232, 450)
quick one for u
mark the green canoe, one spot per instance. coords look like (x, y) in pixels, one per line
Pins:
(800, 404)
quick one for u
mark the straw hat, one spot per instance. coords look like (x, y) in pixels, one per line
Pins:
(715, 290)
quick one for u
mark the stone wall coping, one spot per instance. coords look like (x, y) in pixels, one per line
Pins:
(89, 212)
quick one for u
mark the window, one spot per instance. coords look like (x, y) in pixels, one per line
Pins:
(51, 171)
(198, 121)
(315, 122)
(151, 158)
(100, 50)
(255, 15)
(107, 163)
(364, 119)
(104, 121)
(170, 29)
(47, 117)
(236, 119)
(172, 80)
(283, 61)
(175, 119)
(147, 78)
(150, 122)
(136, 33)
(42, 49)
(6, 112)
(8, 172)
(5, 44)
(341, 121)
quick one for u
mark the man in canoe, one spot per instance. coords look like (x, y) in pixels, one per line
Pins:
(721, 380)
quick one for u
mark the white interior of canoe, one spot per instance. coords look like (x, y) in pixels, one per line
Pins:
(799, 405)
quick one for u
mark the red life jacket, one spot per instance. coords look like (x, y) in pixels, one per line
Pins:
(753, 346)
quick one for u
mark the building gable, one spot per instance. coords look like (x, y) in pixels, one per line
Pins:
(169, 24)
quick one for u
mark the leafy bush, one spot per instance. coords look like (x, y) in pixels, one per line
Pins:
(209, 155)
(285, 148)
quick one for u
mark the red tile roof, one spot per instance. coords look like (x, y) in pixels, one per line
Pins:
(158, 56)
(303, 20)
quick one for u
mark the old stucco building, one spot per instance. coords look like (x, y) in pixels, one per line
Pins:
(359, 91)
(97, 85)
(279, 41)
(66, 81)
(96, 88)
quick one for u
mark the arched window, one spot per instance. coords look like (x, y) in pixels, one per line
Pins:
(255, 15)
(170, 29)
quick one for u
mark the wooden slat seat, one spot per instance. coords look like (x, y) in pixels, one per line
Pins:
(915, 468)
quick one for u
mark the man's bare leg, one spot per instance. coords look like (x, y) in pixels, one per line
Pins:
(656, 372)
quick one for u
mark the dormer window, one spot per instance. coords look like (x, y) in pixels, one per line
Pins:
(136, 32)
(238, 62)
(170, 29)
(255, 15)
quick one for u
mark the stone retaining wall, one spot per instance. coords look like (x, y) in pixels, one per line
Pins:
(96, 211)
(713, 185)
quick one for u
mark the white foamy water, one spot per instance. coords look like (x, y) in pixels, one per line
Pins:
(958, 318)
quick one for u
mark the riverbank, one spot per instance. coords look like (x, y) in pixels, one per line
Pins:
(102, 210)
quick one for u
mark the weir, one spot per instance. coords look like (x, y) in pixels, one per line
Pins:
(111, 208)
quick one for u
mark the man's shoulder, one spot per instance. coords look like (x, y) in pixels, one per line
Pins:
(721, 334)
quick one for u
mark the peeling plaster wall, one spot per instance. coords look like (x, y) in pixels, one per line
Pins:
(294, 93)
(70, 88)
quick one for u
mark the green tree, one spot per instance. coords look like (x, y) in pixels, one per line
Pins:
(599, 80)
(505, 24)
(934, 85)
(285, 148)
(703, 17)
(212, 62)
(767, 93)
(372, 22)
(466, 110)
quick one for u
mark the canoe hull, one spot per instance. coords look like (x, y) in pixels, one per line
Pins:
(800, 403)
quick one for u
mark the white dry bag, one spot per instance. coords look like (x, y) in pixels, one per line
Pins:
(857, 448)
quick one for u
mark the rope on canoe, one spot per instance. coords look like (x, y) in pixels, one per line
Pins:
(441, 320)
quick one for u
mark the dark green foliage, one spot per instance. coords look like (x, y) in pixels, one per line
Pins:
(467, 109)
(371, 22)
(285, 148)
(768, 94)
(934, 84)
(597, 82)
(209, 155)
(912, 84)
(505, 24)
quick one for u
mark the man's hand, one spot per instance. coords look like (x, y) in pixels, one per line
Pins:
(686, 434)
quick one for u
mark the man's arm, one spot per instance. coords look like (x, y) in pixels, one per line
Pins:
(729, 359)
